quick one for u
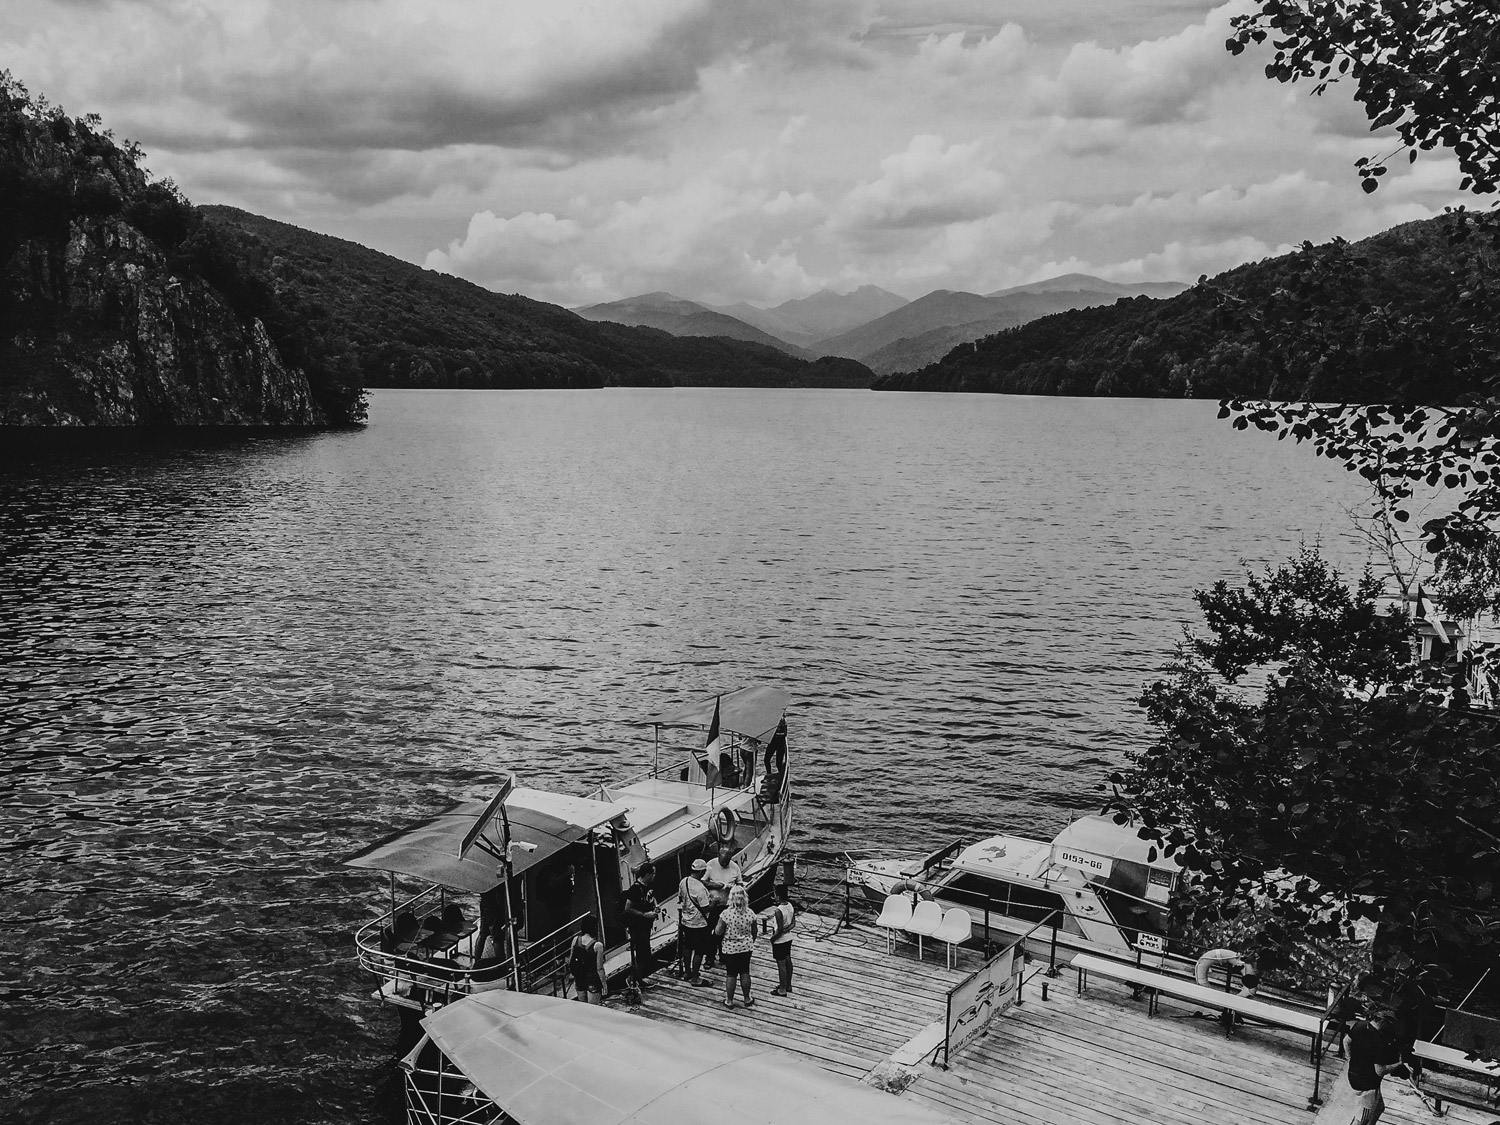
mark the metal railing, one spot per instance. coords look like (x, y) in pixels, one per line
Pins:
(424, 977)
(546, 959)
(438, 1093)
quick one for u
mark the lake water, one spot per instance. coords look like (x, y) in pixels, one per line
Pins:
(228, 663)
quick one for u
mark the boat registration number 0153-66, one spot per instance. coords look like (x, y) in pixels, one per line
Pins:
(1093, 864)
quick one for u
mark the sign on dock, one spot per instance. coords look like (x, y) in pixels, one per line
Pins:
(981, 996)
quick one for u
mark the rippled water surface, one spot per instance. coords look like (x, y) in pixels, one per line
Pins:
(224, 664)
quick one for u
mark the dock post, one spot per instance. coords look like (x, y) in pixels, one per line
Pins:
(1052, 969)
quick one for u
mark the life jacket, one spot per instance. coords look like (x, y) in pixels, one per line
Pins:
(786, 920)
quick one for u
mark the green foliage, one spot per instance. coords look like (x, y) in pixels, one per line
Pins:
(1428, 68)
(1302, 611)
(1348, 788)
(1226, 338)
(57, 172)
(404, 326)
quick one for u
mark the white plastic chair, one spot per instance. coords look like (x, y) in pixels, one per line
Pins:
(957, 927)
(925, 920)
(894, 915)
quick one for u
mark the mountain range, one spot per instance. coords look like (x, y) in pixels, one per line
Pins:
(885, 332)
(1320, 324)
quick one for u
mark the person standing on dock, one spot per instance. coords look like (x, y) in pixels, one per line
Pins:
(640, 908)
(1373, 1054)
(736, 933)
(780, 921)
(692, 924)
(720, 874)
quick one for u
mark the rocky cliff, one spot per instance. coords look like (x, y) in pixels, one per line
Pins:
(119, 306)
(112, 337)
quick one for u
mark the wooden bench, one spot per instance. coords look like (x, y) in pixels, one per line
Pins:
(1481, 1069)
(1294, 1019)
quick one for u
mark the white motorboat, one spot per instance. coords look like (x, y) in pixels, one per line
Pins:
(1098, 880)
(504, 883)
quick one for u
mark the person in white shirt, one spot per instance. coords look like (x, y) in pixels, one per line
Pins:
(780, 920)
(692, 924)
(719, 875)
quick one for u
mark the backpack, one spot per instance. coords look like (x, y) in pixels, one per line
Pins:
(582, 961)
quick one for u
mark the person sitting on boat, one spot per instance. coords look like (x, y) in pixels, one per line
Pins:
(640, 909)
(586, 963)
(692, 924)
(719, 875)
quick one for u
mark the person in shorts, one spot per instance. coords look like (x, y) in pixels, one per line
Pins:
(693, 902)
(780, 920)
(586, 963)
(736, 931)
(1373, 1053)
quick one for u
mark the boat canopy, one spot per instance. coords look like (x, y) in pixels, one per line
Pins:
(549, 1061)
(548, 821)
(752, 711)
(1101, 836)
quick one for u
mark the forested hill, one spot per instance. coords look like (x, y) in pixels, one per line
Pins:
(120, 306)
(1213, 341)
(404, 326)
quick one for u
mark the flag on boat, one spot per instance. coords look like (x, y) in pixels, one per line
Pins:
(711, 750)
(1428, 613)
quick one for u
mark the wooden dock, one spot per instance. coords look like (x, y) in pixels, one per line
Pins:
(1095, 1059)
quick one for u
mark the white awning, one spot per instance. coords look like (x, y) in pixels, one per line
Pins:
(548, 1061)
(751, 711)
(547, 821)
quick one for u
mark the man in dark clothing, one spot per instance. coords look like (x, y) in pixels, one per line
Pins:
(1372, 1055)
(640, 909)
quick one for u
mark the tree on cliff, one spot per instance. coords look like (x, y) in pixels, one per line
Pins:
(1430, 69)
(1351, 786)
(57, 172)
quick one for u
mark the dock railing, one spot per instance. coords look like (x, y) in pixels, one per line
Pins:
(854, 908)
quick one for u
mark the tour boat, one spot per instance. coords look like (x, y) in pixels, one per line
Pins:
(1100, 882)
(506, 882)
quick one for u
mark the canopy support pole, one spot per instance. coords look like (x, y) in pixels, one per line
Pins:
(510, 908)
(598, 895)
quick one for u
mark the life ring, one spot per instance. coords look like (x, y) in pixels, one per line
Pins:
(723, 823)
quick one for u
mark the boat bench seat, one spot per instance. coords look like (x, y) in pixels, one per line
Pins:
(1295, 1019)
(1481, 1070)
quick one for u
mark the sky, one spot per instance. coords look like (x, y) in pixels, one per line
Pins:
(579, 151)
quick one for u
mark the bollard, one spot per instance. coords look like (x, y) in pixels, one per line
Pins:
(1044, 991)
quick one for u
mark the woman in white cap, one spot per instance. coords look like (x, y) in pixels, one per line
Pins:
(692, 924)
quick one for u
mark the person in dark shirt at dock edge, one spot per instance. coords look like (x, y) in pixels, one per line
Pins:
(1373, 1053)
(640, 909)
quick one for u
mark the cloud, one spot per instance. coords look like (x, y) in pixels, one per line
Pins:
(928, 184)
(1145, 83)
(715, 236)
(404, 74)
(585, 150)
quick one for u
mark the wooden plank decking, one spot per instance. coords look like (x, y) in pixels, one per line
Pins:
(1095, 1059)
